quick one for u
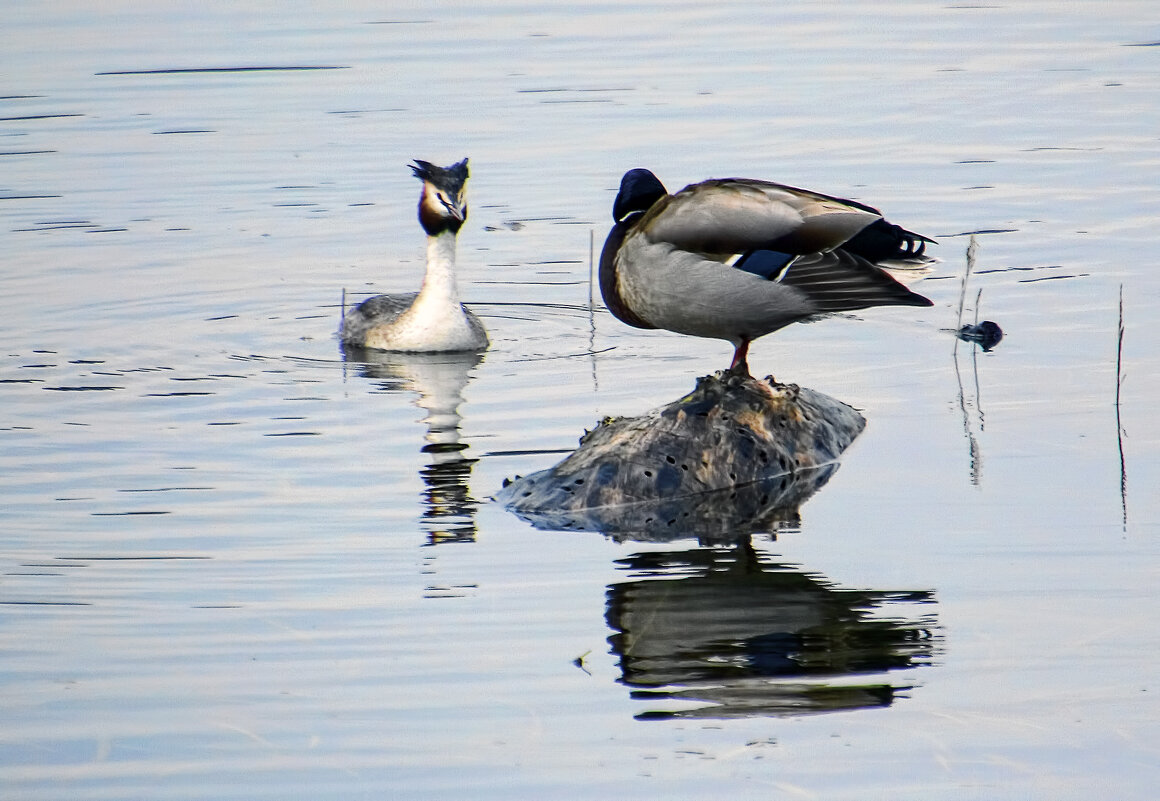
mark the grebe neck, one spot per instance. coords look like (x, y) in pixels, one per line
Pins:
(439, 287)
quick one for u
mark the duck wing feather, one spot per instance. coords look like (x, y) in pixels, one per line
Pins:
(733, 216)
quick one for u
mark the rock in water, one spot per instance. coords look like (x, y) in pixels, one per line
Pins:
(735, 456)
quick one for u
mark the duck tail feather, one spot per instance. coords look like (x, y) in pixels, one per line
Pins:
(883, 240)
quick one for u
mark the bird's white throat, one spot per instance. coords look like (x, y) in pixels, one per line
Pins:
(439, 292)
(436, 320)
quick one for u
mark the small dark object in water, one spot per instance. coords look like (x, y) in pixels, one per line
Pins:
(986, 333)
(734, 456)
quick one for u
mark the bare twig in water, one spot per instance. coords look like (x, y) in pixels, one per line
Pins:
(592, 308)
(1119, 422)
(975, 365)
(972, 252)
(591, 268)
(974, 452)
(976, 456)
(341, 327)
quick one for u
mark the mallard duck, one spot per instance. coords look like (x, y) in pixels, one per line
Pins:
(433, 319)
(736, 259)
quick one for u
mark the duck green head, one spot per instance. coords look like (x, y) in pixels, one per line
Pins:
(639, 190)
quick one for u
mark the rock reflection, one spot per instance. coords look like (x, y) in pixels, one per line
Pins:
(726, 632)
(439, 379)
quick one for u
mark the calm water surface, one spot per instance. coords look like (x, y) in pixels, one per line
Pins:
(234, 565)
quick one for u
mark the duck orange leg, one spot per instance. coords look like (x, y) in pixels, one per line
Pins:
(740, 363)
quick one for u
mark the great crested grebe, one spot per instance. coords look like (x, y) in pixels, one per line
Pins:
(432, 319)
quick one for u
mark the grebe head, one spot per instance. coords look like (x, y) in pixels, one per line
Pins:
(443, 204)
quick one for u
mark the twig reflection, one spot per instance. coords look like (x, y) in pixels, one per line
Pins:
(986, 335)
(1119, 422)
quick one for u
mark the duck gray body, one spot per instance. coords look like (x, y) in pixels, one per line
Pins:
(736, 259)
(432, 319)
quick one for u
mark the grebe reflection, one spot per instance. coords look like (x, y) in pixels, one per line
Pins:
(439, 380)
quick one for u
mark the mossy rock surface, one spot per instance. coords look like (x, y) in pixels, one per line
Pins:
(733, 452)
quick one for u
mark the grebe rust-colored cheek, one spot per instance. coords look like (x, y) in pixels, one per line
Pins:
(431, 219)
(436, 216)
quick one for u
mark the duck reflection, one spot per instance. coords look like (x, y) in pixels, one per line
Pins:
(726, 632)
(439, 379)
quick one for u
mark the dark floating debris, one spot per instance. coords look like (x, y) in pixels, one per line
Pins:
(734, 457)
(987, 334)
